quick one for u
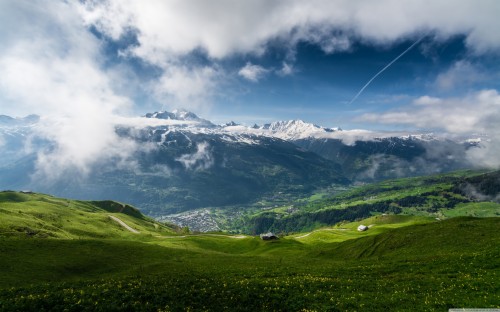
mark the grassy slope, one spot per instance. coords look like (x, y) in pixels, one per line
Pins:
(458, 236)
(39, 215)
(348, 230)
(403, 262)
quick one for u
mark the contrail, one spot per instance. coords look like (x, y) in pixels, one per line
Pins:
(383, 69)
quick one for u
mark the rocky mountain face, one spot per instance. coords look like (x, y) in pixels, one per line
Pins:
(192, 163)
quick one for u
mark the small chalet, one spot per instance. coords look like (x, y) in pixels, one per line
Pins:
(362, 228)
(268, 236)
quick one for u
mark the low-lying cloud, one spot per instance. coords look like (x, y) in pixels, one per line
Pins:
(473, 192)
(202, 159)
(477, 113)
(252, 72)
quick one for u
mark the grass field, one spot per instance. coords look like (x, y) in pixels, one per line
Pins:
(401, 263)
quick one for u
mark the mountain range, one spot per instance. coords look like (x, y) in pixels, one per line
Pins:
(186, 162)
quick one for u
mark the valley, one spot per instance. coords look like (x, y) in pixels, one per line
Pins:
(438, 196)
(60, 253)
(175, 162)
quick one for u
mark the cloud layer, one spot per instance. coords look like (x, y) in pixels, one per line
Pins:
(200, 160)
(222, 27)
(252, 72)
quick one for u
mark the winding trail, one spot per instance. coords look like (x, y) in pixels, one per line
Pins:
(320, 230)
(205, 235)
(125, 225)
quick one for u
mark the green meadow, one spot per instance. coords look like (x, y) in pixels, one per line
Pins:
(65, 255)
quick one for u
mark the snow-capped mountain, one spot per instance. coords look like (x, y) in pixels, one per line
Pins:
(363, 155)
(288, 130)
(296, 129)
(182, 161)
(285, 130)
(180, 114)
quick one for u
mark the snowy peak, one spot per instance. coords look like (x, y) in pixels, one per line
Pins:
(175, 115)
(420, 137)
(295, 129)
(180, 114)
(230, 124)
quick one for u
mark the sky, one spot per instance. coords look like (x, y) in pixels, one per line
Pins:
(80, 64)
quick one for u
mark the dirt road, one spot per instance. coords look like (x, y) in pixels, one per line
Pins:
(125, 225)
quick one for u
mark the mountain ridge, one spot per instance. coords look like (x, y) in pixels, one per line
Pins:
(182, 166)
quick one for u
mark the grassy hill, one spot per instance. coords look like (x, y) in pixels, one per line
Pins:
(44, 216)
(80, 259)
(460, 236)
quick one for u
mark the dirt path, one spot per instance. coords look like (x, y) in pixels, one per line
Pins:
(205, 235)
(220, 235)
(321, 230)
(125, 225)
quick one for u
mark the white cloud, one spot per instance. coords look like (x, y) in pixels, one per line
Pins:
(461, 74)
(486, 154)
(427, 100)
(143, 122)
(202, 159)
(51, 66)
(252, 72)
(182, 86)
(225, 27)
(286, 70)
(477, 113)
(323, 37)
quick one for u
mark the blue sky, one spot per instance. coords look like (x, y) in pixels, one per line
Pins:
(253, 61)
(322, 84)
